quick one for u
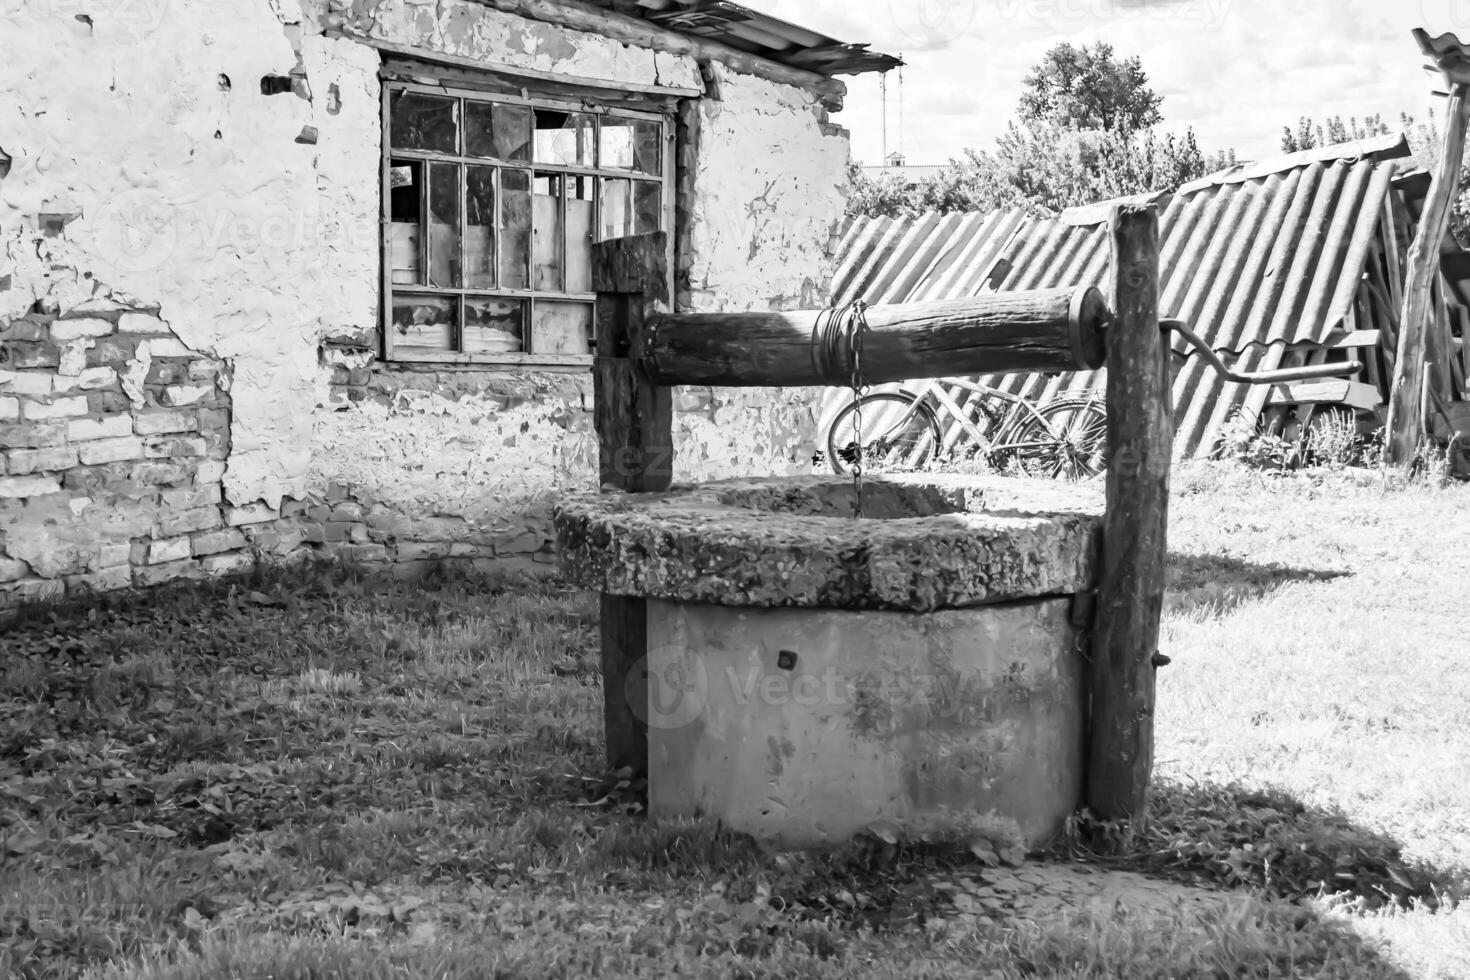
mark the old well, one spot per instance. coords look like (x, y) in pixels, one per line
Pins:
(810, 673)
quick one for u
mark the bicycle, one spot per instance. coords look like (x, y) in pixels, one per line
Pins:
(901, 430)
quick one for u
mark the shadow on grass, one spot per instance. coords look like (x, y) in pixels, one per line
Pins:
(1221, 583)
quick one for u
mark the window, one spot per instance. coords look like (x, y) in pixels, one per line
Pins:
(491, 205)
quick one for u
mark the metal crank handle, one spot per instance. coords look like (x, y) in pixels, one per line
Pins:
(1306, 372)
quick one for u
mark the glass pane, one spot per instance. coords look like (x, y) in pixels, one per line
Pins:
(632, 144)
(405, 230)
(479, 233)
(564, 138)
(515, 229)
(546, 240)
(500, 131)
(494, 326)
(617, 209)
(562, 328)
(424, 122)
(444, 224)
(580, 191)
(648, 206)
(423, 324)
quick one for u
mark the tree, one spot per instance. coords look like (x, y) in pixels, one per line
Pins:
(1089, 87)
(1310, 134)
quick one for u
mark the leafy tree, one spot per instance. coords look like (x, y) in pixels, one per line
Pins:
(1088, 87)
(1310, 134)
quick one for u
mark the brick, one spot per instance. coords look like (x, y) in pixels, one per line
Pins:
(348, 510)
(214, 419)
(362, 552)
(295, 508)
(336, 532)
(24, 329)
(159, 423)
(114, 554)
(257, 513)
(169, 347)
(422, 550)
(140, 323)
(166, 372)
(337, 492)
(160, 474)
(30, 590)
(110, 450)
(169, 549)
(12, 569)
(214, 542)
(167, 572)
(28, 486)
(110, 427)
(319, 513)
(173, 447)
(188, 498)
(86, 326)
(230, 564)
(112, 350)
(276, 540)
(24, 461)
(188, 521)
(73, 360)
(33, 383)
(107, 402)
(9, 409)
(89, 380)
(20, 355)
(186, 394)
(59, 408)
(210, 471)
(33, 435)
(107, 580)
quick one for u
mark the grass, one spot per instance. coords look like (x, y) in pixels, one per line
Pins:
(310, 775)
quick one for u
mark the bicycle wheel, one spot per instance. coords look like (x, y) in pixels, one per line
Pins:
(898, 434)
(1067, 439)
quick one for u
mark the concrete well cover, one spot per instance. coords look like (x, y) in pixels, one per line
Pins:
(924, 542)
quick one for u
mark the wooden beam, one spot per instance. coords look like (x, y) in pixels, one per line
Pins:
(633, 416)
(1134, 538)
(636, 31)
(1043, 330)
(1405, 417)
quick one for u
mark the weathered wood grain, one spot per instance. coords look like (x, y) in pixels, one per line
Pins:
(1134, 545)
(1042, 330)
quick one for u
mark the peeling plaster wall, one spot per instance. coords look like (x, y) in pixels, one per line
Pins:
(150, 175)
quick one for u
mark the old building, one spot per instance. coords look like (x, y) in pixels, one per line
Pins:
(311, 276)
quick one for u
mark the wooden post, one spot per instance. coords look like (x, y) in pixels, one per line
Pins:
(1405, 416)
(634, 421)
(1130, 595)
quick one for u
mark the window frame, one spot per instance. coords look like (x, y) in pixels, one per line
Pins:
(604, 105)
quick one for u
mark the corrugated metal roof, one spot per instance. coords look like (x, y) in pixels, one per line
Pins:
(758, 33)
(1257, 259)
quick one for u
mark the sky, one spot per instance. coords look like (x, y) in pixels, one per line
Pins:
(1236, 71)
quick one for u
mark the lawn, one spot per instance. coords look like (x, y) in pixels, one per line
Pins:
(307, 775)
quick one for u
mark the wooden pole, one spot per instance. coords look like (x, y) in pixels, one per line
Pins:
(1130, 595)
(633, 416)
(1040, 330)
(1405, 419)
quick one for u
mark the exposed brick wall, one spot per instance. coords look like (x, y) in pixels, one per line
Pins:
(113, 440)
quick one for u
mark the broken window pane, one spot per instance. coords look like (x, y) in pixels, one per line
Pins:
(648, 205)
(444, 224)
(479, 233)
(562, 328)
(580, 191)
(631, 144)
(546, 254)
(424, 122)
(515, 229)
(617, 209)
(405, 230)
(494, 326)
(423, 324)
(500, 131)
(564, 138)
